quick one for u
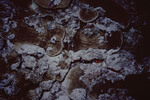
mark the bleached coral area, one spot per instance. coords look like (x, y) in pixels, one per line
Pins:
(48, 54)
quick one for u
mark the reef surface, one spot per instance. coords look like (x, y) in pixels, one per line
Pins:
(70, 50)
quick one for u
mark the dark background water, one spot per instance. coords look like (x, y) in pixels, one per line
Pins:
(143, 8)
(139, 85)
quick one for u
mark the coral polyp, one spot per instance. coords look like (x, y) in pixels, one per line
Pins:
(88, 15)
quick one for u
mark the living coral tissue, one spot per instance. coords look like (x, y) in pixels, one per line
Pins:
(74, 50)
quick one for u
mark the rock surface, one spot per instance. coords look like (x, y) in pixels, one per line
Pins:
(76, 53)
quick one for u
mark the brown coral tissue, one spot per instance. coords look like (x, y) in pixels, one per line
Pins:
(74, 50)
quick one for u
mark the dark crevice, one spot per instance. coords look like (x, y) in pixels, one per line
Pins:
(46, 90)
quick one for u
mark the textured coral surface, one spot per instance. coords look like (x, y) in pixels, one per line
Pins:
(72, 50)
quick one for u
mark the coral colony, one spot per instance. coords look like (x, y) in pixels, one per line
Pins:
(68, 49)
